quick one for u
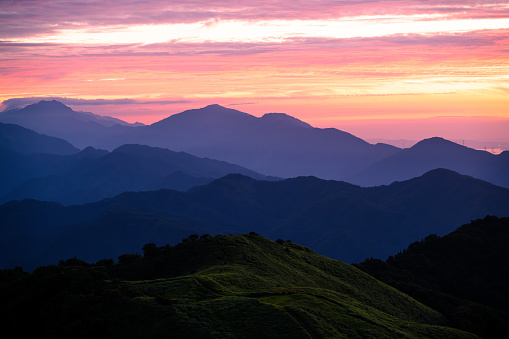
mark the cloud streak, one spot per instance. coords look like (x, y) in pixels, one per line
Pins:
(22, 102)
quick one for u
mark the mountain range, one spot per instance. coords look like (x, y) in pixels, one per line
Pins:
(275, 144)
(336, 219)
(93, 175)
(433, 153)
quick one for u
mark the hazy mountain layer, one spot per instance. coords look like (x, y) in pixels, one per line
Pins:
(275, 144)
(436, 153)
(336, 219)
(23, 140)
(93, 175)
(56, 119)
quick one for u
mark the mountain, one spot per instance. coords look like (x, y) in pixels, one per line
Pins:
(19, 167)
(56, 119)
(242, 286)
(20, 139)
(434, 153)
(464, 275)
(128, 168)
(336, 219)
(276, 144)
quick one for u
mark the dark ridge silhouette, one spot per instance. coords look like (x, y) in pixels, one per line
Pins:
(464, 275)
(93, 174)
(23, 140)
(243, 286)
(336, 219)
(434, 153)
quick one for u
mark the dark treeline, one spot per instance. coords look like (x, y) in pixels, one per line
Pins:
(464, 275)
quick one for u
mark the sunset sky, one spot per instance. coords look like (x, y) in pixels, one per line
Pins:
(378, 69)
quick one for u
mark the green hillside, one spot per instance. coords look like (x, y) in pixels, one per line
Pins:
(464, 275)
(242, 286)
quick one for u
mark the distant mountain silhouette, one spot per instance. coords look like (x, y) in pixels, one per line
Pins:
(20, 139)
(434, 153)
(275, 144)
(94, 175)
(53, 118)
(334, 218)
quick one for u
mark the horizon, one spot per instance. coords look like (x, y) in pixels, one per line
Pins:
(493, 146)
(384, 70)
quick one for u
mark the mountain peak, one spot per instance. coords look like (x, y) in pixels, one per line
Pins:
(434, 141)
(283, 117)
(49, 105)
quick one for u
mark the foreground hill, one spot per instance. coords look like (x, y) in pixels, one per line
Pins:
(221, 287)
(94, 176)
(334, 218)
(433, 153)
(464, 275)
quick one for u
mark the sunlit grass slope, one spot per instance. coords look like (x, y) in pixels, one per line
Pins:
(242, 286)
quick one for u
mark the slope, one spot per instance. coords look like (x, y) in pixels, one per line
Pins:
(127, 168)
(221, 287)
(56, 119)
(20, 139)
(464, 275)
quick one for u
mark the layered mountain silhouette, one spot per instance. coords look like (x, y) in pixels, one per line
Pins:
(93, 174)
(336, 219)
(434, 153)
(23, 140)
(275, 144)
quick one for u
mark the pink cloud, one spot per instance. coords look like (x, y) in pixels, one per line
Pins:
(28, 18)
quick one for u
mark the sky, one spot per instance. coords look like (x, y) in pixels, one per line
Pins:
(378, 69)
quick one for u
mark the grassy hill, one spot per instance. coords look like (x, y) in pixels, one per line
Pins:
(243, 286)
(464, 275)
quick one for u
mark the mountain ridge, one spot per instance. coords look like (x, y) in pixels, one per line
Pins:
(432, 153)
(336, 219)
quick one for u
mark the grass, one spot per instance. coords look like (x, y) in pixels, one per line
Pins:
(242, 286)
